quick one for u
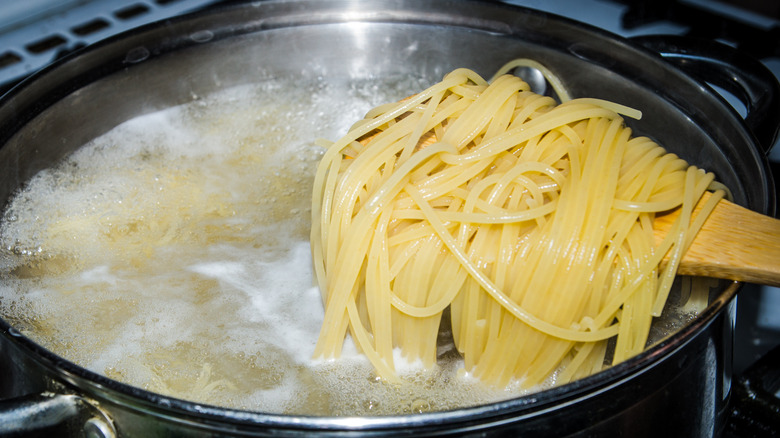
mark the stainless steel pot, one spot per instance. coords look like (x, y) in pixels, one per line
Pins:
(680, 387)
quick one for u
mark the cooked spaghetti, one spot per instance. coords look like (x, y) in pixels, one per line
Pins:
(531, 221)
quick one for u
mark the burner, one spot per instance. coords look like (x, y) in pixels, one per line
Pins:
(722, 23)
(35, 33)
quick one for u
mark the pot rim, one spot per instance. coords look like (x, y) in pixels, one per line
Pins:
(532, 404)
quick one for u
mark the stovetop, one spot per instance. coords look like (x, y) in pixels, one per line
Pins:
(34, 33)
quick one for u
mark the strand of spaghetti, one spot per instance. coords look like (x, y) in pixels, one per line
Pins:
(345, 276)
(482, 110)
(667, 274)
(637, 158)
(502, 179)
(533, 128)
(702, 215)
(455, 178)
(353, 179)
(612, 106)
(405, 257)
(613, 305)
(646, 207)
(658, 165)
(648, 266)
(690, 226)
(531, 107)
(365, 165)
(552, 78)
(363, 341)
(580, 359)
(500, 297)
(378, 289)
(346, 269)
(321, 211)
(479, 187)
(447, 197)
(392, 185)
(321, 204)
(424, 311)
(419, 129)
(502, 117)
(482, 218)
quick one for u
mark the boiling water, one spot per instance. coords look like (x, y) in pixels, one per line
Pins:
(172, 254)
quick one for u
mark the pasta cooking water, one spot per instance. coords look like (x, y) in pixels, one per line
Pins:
(529, 221)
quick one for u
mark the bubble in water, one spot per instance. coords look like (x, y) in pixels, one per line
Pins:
(420, 405)
(14, 332)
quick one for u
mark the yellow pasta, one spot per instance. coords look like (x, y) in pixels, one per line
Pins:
(530, 220)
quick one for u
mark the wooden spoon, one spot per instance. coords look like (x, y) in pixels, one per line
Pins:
(733, 244)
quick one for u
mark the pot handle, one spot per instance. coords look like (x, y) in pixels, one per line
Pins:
(51, 414)
(755, 409)
(715, 63)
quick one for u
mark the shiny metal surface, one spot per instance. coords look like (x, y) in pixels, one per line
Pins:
(39, 412)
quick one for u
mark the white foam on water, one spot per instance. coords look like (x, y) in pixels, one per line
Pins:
(172, 254)
(280, 298)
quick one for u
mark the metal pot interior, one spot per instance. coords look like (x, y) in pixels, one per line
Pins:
(159, 66)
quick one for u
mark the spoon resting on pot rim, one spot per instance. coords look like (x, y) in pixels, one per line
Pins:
(733, 244)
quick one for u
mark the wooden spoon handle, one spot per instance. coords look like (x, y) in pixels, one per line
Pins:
(734, 244)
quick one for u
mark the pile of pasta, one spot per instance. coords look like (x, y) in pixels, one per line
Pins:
(530, 220)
